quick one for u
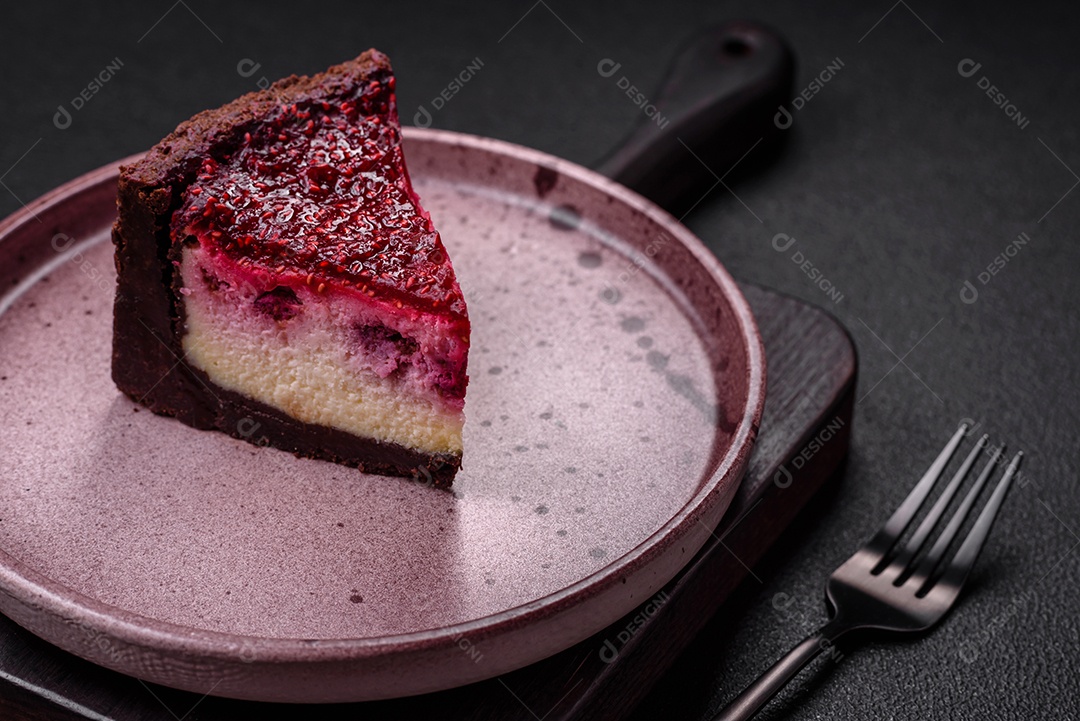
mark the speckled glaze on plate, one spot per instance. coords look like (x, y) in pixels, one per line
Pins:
(617, 384)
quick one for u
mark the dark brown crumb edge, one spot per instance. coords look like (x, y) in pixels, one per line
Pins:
(147, 362)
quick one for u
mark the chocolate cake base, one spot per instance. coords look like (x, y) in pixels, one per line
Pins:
(261, 425)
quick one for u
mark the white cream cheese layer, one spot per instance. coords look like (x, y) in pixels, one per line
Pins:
(308, 365)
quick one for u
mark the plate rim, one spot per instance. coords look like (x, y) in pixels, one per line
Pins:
(27, 586)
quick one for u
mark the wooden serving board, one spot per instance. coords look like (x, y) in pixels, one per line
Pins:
(803, 438)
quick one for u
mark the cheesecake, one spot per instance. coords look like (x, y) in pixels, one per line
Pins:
(279, 280)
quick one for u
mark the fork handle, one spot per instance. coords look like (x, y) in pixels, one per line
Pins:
(750, 701)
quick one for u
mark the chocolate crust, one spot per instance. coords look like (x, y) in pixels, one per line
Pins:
(148, 361)
(178, 155)
(262, 425)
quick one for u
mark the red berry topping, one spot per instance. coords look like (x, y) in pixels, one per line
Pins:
(320, 191)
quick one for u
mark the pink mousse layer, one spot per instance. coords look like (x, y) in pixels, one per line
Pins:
(426, 352)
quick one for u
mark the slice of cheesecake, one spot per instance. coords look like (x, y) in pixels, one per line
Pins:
(279, 280)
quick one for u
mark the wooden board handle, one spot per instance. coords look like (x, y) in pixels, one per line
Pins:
(719, 99)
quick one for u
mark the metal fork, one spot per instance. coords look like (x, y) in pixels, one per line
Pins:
(886, 586)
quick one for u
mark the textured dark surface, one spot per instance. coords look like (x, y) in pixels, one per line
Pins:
(901, 181)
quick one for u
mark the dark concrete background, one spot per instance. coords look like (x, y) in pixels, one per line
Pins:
(901, 181)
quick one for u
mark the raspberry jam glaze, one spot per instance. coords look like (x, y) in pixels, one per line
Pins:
(320, 191)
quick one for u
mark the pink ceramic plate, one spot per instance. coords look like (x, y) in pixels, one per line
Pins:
(617, 383)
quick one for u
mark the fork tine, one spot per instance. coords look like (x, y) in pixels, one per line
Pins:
(923, 531)
(964, 559)
(894, 527)
(937, 551)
